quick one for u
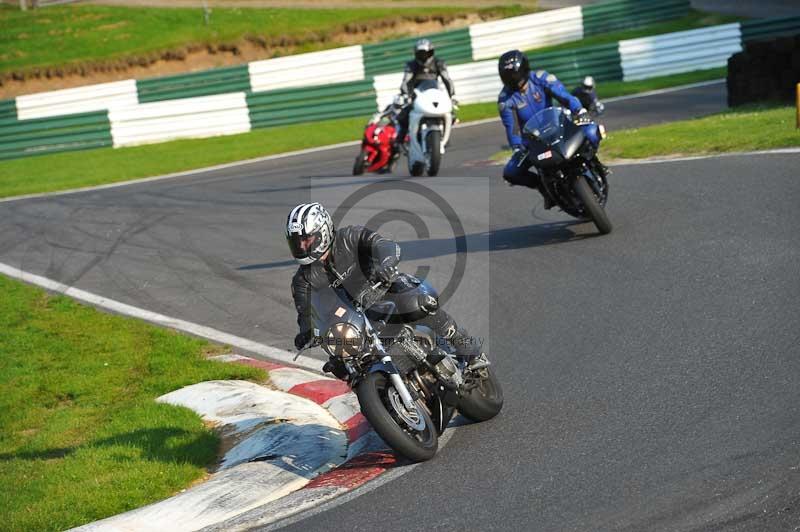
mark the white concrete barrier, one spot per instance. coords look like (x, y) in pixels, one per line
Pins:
(305, 70)
(492, 39)
(204, 116)
(78, 100)
(677, 52)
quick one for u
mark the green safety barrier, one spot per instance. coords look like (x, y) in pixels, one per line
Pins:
(768, 28)
(627, 14)
(40, 136)
(8, 109)
(205, 83)
(292, 106)
(453, 46)
(570, 66)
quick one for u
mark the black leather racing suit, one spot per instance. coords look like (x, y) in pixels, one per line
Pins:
(355, 254)
(416, 72)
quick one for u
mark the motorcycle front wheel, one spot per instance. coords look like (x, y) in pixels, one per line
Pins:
(592, 205)
(361, 159)
(434, 146)
(381, 406)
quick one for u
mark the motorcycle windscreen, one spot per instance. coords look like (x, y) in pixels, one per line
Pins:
(332, 305)
(427, 84)
(546, 126)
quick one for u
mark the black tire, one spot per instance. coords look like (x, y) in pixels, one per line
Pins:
(358, 166)
(417, 169)
(484, 401)
(416, 446)
(434, 145)
(593, 208)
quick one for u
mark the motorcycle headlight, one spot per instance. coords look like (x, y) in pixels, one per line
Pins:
(343, 340)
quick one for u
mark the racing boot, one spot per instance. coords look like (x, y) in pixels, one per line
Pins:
(466, 347)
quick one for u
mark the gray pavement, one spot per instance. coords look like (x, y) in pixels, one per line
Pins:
(650, 374)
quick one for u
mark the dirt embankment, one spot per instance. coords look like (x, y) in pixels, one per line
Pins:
(196, 57)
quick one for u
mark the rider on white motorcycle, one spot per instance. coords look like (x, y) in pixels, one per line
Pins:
(424, 66)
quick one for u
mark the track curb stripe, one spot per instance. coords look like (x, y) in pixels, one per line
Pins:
(368, 456)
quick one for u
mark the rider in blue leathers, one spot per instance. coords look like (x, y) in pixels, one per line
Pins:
(524, 94)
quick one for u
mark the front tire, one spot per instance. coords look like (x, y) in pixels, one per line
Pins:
(434, 145)
(417, 169)
(593, 208)
(485, 400)
(361, 159)
(373, 396)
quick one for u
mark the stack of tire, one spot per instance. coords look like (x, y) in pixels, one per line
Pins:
(765, 71)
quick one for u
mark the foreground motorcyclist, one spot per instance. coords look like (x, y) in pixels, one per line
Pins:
(523, 95)
(327, 255)
(396, 113)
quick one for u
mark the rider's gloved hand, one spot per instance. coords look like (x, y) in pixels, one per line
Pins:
(582, 117)
(302, 339)
(386, 272)
(335, 366)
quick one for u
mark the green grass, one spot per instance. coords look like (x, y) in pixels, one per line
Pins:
(106, 165)
(81, 437)
(693, 20)
(748, 128)
(65, 34)
(611, 89)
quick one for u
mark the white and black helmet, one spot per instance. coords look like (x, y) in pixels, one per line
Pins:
(309, 232)
(423, 51)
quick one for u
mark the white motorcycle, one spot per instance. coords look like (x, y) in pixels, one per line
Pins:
(429, 126)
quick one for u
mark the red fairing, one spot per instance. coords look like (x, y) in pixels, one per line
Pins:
(377, 142)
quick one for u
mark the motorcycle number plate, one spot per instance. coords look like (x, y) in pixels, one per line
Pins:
(340, 312)
(545, 155)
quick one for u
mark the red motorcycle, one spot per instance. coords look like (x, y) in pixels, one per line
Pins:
(376, 149)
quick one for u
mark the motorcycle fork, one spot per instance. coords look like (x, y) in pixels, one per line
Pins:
(394, 377)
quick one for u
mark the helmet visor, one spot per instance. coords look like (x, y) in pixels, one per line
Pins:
(512, 78)
(301, 246)
(423, 55)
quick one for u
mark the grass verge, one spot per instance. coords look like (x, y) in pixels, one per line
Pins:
(730, 131)
(81, 34)
(81, 437)
(744, 129)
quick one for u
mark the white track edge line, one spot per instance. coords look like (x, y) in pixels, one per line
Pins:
(777, 151)
(159, 319)
(296, 153)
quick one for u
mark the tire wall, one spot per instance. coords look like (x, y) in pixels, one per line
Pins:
(767, 70)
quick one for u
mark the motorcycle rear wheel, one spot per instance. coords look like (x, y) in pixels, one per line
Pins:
(417, 446)
(593, 208)
(485, 400)
(434, 145)
(361, 159)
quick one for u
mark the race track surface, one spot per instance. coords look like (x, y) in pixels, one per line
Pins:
(650, 374)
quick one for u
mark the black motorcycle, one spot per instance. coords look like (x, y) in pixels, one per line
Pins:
(408, 383)
(569, 174)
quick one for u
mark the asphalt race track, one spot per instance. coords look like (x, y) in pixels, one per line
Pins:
(650, 374)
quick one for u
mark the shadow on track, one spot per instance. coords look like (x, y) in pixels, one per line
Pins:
(529, 236)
